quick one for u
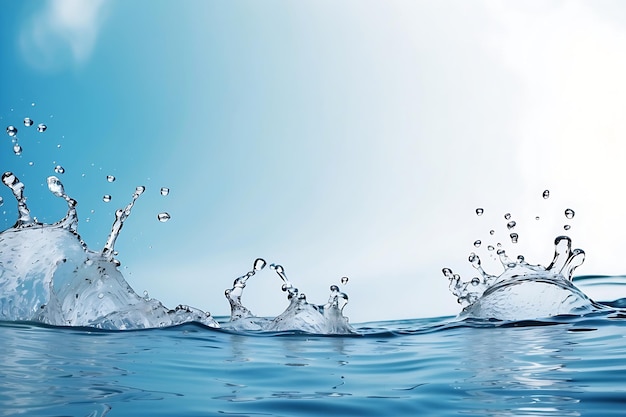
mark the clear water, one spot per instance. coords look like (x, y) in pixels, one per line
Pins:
(77, 340)
(560, 367)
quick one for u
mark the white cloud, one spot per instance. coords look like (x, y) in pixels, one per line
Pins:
(62, 33)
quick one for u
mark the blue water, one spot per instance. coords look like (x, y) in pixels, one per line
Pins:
(564, 366)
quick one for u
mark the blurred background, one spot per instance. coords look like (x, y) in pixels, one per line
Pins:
(337, 138)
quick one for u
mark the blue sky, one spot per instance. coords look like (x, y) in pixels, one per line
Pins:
(338, 138)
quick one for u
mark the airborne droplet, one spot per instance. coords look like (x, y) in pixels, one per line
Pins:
(507, 216)
(259, 264)
(567, 227)
(11, 130)
(41, 127)
(479, 211)
(110, 178)
(477, 243)
(514, 237)
(163, 217)
(28, 121)
(59, 169)
(344, 280)
(165, 191)
(569, 213)
(106, 198)
(492, 232)
(546, 194)
(17, 149)
(511, 224)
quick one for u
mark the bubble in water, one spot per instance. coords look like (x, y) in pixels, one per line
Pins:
(507, 216)
(514, 237)
(567, 227)
(17, 149)
(106, 198)
(479, 211)
(110, 178)
(477, 243)
(546, 194)
(28, 121)
(569, 213)
(511, 224)
(165, 191)
(59, 169)
(41, 127)
(163, 217)
(344, 280)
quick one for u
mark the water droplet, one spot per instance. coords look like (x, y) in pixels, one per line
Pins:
(344, 280)
(106, 198)
(510, 225)
(32, 104)
(59, 169)
(475, 281)
(41, 127)
(536, 217)
(165, 191)
(31, 163)
(259, 264)
(507, 216)
(163, 217)
(1, 201)
(17, 149)
(514, 237)
(110, 178)
(492, 232)
(28, 121)
(546, 194)
(477, 243)
(479, 211)
(490, 247)
(55, 186)
(101, 296)
(567, 227)
(11, 130)
(139, 190)
(569, 213)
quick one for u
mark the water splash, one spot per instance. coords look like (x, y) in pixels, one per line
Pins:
(522, 290)
(48, 275)
(299, 315)
(120, 217)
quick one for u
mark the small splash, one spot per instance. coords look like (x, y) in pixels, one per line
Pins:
(163, 217)
(11, 131)
(165, 191)
(120, 217)
(41, 127)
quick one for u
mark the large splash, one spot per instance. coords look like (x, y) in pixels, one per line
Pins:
(48, 275)
(523, 291)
